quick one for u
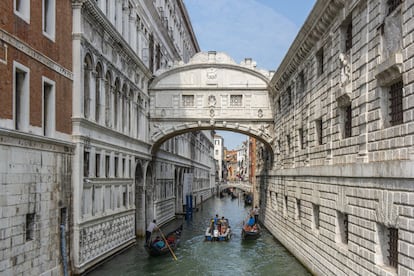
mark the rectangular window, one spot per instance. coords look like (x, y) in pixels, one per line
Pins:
(116, 167)
(387, 246)
(289, 96)
(285, 205)
(188, 100)
(48, 107)
(48, 17)
(315, 217)
(342, 227)
(287, 144)
(318, 130)
(319, 62)
(347, 121)
(298, 214)
(86, 164)
(396, 110)
(21, 96)
(22, 9)
(348, 36)
(123, 167)
(301, 82)
(30, 226)
(236, 100)
(107, 165)
(392, 5)
(301, 137)
(97, 165)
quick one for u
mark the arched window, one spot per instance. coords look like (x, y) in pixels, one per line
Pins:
(124, 111)
(98, 83)
(87, 70)
(108, 85)
(116, 101)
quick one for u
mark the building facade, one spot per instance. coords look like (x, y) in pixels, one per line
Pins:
(339, 194)
(35, 142)
(219, 156)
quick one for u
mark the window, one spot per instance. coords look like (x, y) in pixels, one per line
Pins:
(285, 205)
(123, 167)
(48, 16)
(302, 140)
(30, 226)
(298, 207)
(342, 227)
(87, 71)
(21, 96)
(387, 246)
(395, 97)
(348, 36)
(287, 144)
(98, 81)
(116, 167)
(347, 114)
(108, 99)
(319, 62)
(116, 101)
(22, 9)
(97, 165)
(236, 100)
(392, 5)
(301, 82)
(107, 165)
(48, 107)
(315, 217)
(279, 107)
(289, 95)
(318, 130)
(86, 164)
(188, 100)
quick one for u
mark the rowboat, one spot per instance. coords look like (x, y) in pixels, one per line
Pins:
(158, 246)
(219, 231)
(251, 232)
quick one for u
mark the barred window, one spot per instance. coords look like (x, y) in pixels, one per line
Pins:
(348, 121)
(289, 95)
(236, 100)
(393, 247)
(318, 128)
(302, 139)
(298, 214)
(392, 5)
(342, 221)
(315, 216)
(348, 37)
(30, 226)
(319, 61)
(396, 110)
(188, 100)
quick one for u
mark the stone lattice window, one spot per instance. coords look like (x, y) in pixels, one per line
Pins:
(396, 110)
(188, 100)
(236, 100)
(386, 248)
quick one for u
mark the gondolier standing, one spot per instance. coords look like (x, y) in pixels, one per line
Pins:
(151, 227)
(256, 214)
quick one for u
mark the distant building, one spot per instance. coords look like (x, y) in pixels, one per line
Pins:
(219, 156)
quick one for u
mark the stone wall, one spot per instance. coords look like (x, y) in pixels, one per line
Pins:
(35, 197)
(339, 195)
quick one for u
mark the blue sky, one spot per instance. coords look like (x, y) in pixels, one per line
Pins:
(259, 29)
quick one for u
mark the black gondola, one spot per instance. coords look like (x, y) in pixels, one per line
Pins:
(158, 247)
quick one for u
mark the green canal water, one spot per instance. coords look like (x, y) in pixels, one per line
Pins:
(264, 256)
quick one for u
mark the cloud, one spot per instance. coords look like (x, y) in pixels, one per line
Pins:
(242, 28)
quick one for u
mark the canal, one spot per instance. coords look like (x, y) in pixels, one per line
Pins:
(265, 256)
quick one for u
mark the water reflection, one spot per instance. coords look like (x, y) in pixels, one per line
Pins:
(264, 256)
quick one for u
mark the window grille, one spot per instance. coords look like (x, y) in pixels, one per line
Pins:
(346, 223)
(393, 247)
(30, 226)
(188, 100)
(348, 37)
(316, 216)
(396, 111)
(348, 121)
(236, 100)
(392, 5)
(289, 95)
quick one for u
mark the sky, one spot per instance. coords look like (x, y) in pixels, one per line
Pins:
(259, 29)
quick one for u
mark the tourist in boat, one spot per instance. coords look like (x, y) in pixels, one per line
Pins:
(151, 227)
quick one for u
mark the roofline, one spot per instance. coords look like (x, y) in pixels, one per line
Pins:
(187, 21)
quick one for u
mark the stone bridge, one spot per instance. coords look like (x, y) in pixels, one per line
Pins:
(211, 92)
(241, 185)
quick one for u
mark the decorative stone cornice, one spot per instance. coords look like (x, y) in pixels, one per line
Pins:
(315, 26)
(390, 70)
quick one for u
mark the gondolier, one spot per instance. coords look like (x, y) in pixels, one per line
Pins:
(151, 227)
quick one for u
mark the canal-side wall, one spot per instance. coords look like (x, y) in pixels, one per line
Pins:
(303, 210)
(339, 194)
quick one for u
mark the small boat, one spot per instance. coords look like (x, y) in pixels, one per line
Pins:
(248, 199)
(158, 247)
(221, 231)
(233, 195)
(251, 233)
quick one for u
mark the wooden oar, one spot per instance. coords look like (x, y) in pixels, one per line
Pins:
(169, 247)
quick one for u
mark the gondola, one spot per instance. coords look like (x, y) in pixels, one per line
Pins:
(251, 233)
(248, 199)
(157, 246)
(218, 232)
